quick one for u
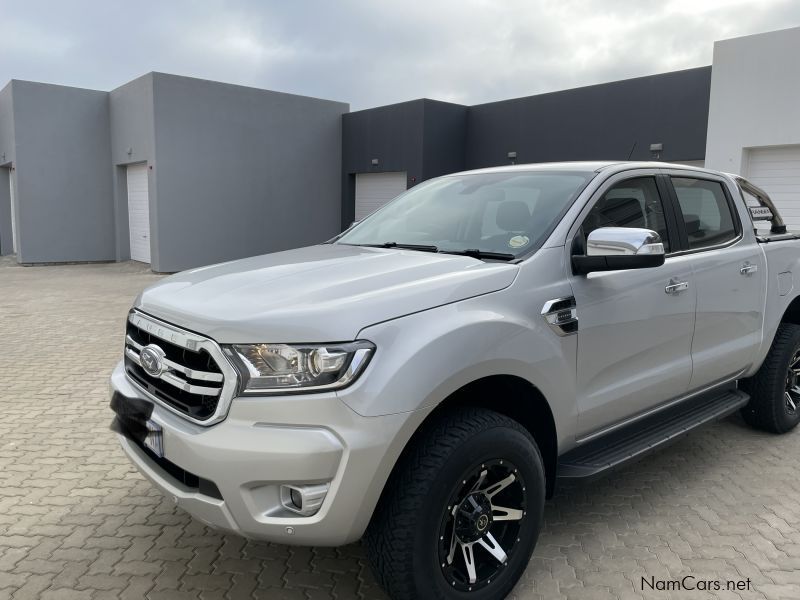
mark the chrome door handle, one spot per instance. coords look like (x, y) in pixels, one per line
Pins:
(676, 287)
(748, 269)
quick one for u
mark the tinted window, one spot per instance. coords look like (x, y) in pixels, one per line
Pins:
(706, 212)
(631, 203)
(510, 212)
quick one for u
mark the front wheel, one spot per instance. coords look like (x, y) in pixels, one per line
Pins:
(462, 512)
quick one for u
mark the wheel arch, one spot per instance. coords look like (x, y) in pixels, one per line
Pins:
(510, 395)
(792, 312)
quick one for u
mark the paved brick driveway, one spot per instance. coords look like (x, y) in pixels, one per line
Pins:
(76, 521)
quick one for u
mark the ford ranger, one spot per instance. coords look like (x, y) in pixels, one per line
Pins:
(425, 379)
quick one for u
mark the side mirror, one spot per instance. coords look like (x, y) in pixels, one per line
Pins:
(616, 248)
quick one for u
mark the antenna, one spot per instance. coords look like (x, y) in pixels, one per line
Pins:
(632, 149)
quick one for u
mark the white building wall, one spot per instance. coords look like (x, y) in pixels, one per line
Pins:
(755, 97)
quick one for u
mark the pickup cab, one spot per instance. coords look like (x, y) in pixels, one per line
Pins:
(426, 378)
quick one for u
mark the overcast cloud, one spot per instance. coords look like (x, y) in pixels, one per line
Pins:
(373, 52)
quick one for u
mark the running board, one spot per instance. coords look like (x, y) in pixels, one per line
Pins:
(637, 440)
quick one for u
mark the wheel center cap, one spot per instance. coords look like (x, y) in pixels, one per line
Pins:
(483, 523)
(473, 517)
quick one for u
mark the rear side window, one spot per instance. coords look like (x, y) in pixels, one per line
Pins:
(706, 212)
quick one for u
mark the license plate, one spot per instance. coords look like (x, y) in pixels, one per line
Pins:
(154, 440)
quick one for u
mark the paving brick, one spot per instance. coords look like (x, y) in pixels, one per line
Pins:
(78, 521)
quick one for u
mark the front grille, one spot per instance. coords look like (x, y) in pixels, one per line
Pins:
(191, 380)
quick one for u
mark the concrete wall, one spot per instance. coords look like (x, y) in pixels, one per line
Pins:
(60, 154)
(755, 97)
(240, 171)
(6, 161)
(132, 141)
(599, 122)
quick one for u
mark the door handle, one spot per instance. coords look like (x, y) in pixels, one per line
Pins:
(748, 269)
(676, 287)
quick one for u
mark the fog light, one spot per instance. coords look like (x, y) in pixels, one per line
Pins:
(297, 499)
(304, 500)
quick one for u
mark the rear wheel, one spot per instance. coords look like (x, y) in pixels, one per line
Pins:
(461, 514)
(775, 389)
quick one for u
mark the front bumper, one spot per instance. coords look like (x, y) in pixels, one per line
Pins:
(268, 441)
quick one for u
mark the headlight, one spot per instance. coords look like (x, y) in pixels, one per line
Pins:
(271, 368)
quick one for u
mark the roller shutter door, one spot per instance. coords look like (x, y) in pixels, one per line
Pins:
(139, 213)
(777, 171)
(373, 190)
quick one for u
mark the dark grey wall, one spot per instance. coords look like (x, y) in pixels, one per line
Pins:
(425, 138)
(6, 160)
(61, 148)
(240, 171)
(445, 138)
(599, 122)
(132, 141)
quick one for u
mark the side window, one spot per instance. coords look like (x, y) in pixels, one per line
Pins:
(631, 203)
(706, 212)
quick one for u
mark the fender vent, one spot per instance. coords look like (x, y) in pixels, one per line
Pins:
(562, 315)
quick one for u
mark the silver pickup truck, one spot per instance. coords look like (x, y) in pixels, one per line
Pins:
(426, 378)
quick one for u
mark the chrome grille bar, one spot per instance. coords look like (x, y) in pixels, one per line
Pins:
(176, 381)
(173, 366)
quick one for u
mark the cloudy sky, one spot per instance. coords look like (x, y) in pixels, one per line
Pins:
(373, 52)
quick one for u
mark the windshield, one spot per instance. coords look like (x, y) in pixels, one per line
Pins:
(507, 214)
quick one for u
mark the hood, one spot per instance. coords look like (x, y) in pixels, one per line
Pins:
(324, 293)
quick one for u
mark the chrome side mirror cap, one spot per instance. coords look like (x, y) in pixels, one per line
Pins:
(617, 248)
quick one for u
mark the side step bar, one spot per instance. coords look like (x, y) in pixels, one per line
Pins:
(637, 440)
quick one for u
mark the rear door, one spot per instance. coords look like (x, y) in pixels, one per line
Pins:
(729, 270)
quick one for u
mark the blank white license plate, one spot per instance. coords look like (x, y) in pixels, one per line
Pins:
(154, 440)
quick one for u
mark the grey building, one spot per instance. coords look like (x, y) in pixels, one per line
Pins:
(172, 171)
(182, 172)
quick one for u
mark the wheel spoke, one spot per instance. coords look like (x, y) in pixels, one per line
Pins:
(452, 553)
(469, 560)
(796, 390)
(493, 547)
(795, 361)
(501, 513)
(480, 481)
(790, 402)
(498, 487)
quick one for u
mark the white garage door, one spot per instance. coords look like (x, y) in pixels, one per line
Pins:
(139, 213)
(11, 187)
(373, 190)
(777, 171)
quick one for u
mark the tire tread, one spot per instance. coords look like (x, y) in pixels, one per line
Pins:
(766, 387)
(389, 538)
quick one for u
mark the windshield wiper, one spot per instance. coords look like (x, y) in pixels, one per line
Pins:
(420, 247)
(476, 253)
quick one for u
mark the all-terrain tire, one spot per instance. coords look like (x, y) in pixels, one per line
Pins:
(403, 538)
(768, 408)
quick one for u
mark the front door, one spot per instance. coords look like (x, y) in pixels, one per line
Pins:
(635, 326)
